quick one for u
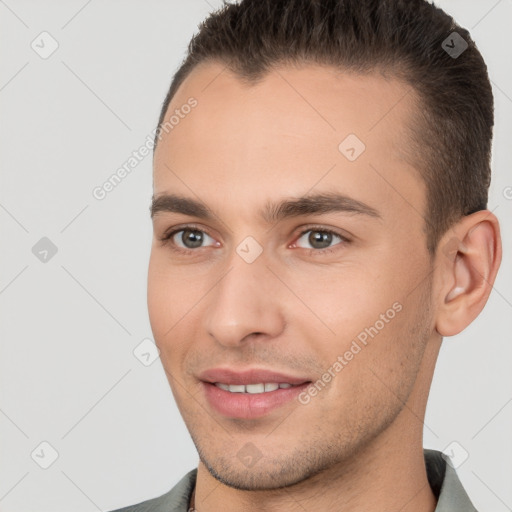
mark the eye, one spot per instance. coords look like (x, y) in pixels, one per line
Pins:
(186, 239)
(321, 239)
(191, 238)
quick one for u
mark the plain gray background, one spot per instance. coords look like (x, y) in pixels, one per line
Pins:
(70, 324)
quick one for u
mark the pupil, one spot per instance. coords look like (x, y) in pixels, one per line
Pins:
(323, 238)
(194, 237)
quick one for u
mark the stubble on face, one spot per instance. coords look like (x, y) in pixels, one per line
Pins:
(331, 444)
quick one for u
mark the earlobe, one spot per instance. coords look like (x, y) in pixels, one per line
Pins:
(468, 271)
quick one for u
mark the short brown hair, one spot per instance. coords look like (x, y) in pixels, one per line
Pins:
(451, 142)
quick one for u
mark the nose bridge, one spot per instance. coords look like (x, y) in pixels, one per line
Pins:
(244, 301)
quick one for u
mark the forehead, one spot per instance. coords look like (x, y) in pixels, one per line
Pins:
(296, 127)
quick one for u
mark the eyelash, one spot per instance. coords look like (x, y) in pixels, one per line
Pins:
(166, 239)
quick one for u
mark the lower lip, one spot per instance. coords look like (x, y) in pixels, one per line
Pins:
(249, 405)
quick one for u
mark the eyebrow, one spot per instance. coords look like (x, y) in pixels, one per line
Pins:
(272, 212)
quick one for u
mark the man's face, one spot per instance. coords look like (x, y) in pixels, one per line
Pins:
(284, 294)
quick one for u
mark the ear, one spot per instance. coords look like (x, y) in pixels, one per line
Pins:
(468, 258)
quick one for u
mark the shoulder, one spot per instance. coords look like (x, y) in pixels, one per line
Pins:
(176, 500)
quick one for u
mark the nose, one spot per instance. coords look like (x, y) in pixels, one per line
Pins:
(245, 303)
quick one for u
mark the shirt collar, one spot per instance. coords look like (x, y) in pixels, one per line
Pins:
(445, 484)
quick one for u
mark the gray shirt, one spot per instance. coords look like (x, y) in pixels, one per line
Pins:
(445, 484)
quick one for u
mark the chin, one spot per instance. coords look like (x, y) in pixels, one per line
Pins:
(265, 474)
(265, 479)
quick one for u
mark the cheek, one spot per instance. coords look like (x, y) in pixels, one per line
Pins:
(165, 298)
(163, 317)
(346, 300)
(372, 380)
(173, 297)
(369, 317)
(159, 299)
(164, 287)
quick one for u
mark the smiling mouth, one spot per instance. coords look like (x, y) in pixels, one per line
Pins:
(254, 388)
(253, 398)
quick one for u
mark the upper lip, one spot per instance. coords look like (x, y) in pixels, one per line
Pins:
(249, 376)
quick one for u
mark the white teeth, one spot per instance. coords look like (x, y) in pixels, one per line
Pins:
(253, 388)
(236, 388)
